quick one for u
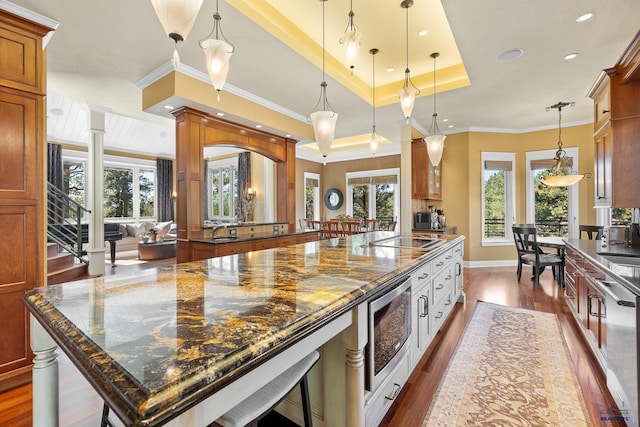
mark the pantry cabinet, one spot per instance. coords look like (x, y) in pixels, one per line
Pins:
(426, 179)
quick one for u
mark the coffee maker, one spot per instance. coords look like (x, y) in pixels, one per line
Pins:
(423, 221)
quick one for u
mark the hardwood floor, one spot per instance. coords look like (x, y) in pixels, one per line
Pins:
(496, 285)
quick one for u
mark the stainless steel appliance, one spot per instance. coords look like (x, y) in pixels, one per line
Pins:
(389, 331)
(622, 350)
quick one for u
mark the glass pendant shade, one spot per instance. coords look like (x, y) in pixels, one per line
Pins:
(374, 142)
(407, 99)
(177, 16)
(435, 145)
(324, 127)
(561, 180)
(217, 54)
(351, 40)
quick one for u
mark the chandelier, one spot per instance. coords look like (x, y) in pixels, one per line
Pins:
(561, 174)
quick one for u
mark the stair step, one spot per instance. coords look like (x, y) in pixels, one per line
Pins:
(60, 261)
(68, 274)
(52, 249)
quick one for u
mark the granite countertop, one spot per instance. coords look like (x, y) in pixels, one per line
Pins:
(167, 338)
(253, 236)
(626, 274)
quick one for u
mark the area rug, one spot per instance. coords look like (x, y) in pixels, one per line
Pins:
(510, 368)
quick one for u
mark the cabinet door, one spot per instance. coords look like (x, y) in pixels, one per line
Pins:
(425, 178)
(603, 177)
(435, 181)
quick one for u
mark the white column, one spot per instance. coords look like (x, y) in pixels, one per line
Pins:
(44, 377)
(406, 214)
(355, 339)
(95, 193)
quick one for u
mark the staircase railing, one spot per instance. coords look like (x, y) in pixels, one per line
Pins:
(64, 216)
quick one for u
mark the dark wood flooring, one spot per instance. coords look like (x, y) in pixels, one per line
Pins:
(496, 285)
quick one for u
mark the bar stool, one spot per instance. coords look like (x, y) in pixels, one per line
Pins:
(592, 231)
(258, 405)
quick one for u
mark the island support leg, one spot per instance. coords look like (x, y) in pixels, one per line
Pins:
(355, 338)
(44, 377)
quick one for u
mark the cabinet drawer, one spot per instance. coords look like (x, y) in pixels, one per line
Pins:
(286, 241)
(441, 260)
(422, 275)
(234, 248)
(307, 237)
(442, 284)
(440, 312)
(458, 250)
(266, 244)
(382, 399)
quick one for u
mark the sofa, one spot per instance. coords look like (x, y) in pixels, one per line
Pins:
(132, 234)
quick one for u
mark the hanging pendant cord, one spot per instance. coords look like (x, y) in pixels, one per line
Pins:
(407, 38)
(324, 83)
(374, 92)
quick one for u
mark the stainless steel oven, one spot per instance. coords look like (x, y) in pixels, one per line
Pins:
(389, 331)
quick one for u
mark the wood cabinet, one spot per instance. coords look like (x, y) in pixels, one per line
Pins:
(22, 188)
(203, 250)
(617, 131)
(426, 180)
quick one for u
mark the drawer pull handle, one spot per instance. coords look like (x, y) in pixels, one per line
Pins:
(396, 391)
(448, 257)
(440, 264)
(448, 301)
(440, 286)
(448, 277)
(439, 315)
(424, 276)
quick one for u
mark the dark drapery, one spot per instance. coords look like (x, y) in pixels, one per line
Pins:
(164, 171)
(55, 178)
(244, 182)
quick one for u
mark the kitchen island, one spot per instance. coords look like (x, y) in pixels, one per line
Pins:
(182, 344)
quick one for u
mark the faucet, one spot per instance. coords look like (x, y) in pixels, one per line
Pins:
(216, 228)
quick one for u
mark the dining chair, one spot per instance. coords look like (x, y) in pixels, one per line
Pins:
(350, 227)
(371, 224)
(304, 224)
(329, 229)
(594, 232)
(529, 253)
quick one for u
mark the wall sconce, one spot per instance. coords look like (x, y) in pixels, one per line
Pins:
(250, 194)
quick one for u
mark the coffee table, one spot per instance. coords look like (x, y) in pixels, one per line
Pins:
(156, 250)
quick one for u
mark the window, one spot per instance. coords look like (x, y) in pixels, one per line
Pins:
(554, 210)
(312, 196)
(223, 189)
(621, 216)
(498, 198)
(129, 185)
(374, 194)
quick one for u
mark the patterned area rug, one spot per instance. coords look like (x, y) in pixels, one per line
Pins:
(510, 368)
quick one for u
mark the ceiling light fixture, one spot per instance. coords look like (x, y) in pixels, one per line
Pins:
(409, 90)
(374, 140)
(561, 174)
(351, 40)
(585, 17)
(217, 53)
(177, 18)
(570, 56)
(510, 55)
(324, 121)
(435, 141)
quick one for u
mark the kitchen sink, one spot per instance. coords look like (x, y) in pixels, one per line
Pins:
(625, 259)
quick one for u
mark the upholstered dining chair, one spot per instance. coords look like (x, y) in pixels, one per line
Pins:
(593, 232)
(529, 253)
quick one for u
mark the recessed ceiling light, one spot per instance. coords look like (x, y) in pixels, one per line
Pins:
(450, 126)
(510, 55)
(570, 56)
(56, 111)
(423, 33)
(219, 114)
(259, 126)
(445, 120)
(390, 70)
(585, 17)
(168, 107)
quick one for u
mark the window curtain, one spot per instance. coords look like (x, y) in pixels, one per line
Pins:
(244, 182)
(55, 178)
(164, 170)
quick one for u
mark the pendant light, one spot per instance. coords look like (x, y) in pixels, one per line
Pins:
(561, 173)
(351, 40)
(374, 139)
(409, 90)
(177, 18)
(435, 139)
(217, 53)
(324, 121)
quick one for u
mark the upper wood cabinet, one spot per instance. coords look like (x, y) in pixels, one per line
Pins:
(426, 180)
(616, 96)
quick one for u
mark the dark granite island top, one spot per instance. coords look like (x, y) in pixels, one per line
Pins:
(157, 343)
